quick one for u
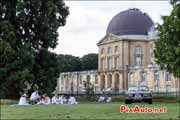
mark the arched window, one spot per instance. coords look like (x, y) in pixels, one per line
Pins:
(116, 49)
(156, 76)
(109, 63)
(143, 77)
(109, 50)
(167, 77)
(109, 81)
(102, 51)
(138, 56)
(102, 63)
(117, 62)
(102, 82)
(116, 84)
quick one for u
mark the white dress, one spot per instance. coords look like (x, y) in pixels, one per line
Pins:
(72, 100)
(55, 100)
(23, 101)
(34, 96)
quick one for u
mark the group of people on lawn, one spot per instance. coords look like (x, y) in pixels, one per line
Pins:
(44, 99)
(105, 99)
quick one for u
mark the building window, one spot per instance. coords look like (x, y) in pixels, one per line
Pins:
(116, 49)
(96, 79)
(62, 81)
(102, 51)
(102, 63)
(138, 56)
(168, 88)
(156, 88)
(109, 82)
(143, 77)
(109, 50)
(110, 63)
(117, 61)
(156, 76)
(167, 77)
(116, 82)
(80, 78)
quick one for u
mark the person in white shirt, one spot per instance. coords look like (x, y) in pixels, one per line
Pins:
(64, 100)
(72, 100)
(55, 99)
(109, 99)
(35, 97)
(60, 100)
(23, 100)
(101, 99)
(45, 100)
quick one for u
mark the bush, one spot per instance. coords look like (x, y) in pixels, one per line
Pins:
(119, 98)
(164, 98)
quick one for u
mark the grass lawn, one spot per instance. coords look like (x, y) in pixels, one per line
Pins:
(86, 111)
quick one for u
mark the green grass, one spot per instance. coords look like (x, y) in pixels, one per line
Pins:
(86, 111)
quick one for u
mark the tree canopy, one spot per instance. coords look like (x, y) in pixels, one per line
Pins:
(167, 52)
(69, 63)
(28, 29)
(90, 61)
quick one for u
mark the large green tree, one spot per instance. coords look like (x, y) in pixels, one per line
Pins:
(28, 30)
(15, 58)
(90, 61)
(69, 63)
(167, 52)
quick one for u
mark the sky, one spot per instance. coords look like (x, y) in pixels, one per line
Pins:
(88, 21)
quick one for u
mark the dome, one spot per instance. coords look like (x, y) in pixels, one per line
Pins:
(130, 22)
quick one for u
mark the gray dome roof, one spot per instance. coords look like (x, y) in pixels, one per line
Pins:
(130, 22)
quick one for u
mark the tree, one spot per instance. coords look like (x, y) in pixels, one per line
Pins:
(168, 45)
(39, 21)
(15, 59)
(28, 31)
(90, 61)
(69, 63)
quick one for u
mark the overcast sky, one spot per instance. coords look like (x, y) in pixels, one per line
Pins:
(88, 20)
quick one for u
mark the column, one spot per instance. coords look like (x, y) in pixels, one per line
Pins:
(113, 81)
(106, 81)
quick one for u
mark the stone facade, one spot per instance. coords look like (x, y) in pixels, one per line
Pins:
(73, 82)
(122, 63)
(130, 62)
(125, 59)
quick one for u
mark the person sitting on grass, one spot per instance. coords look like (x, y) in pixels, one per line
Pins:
(24, 100)
(35, 97)
(72, 100)
(60, 100)
(109, 99)
(101, 99)
(45, 100)
(55, 99)
(64, 100)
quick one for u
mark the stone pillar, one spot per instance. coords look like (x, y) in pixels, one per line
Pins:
(120, 81)
(113, 81)
(106, 81)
